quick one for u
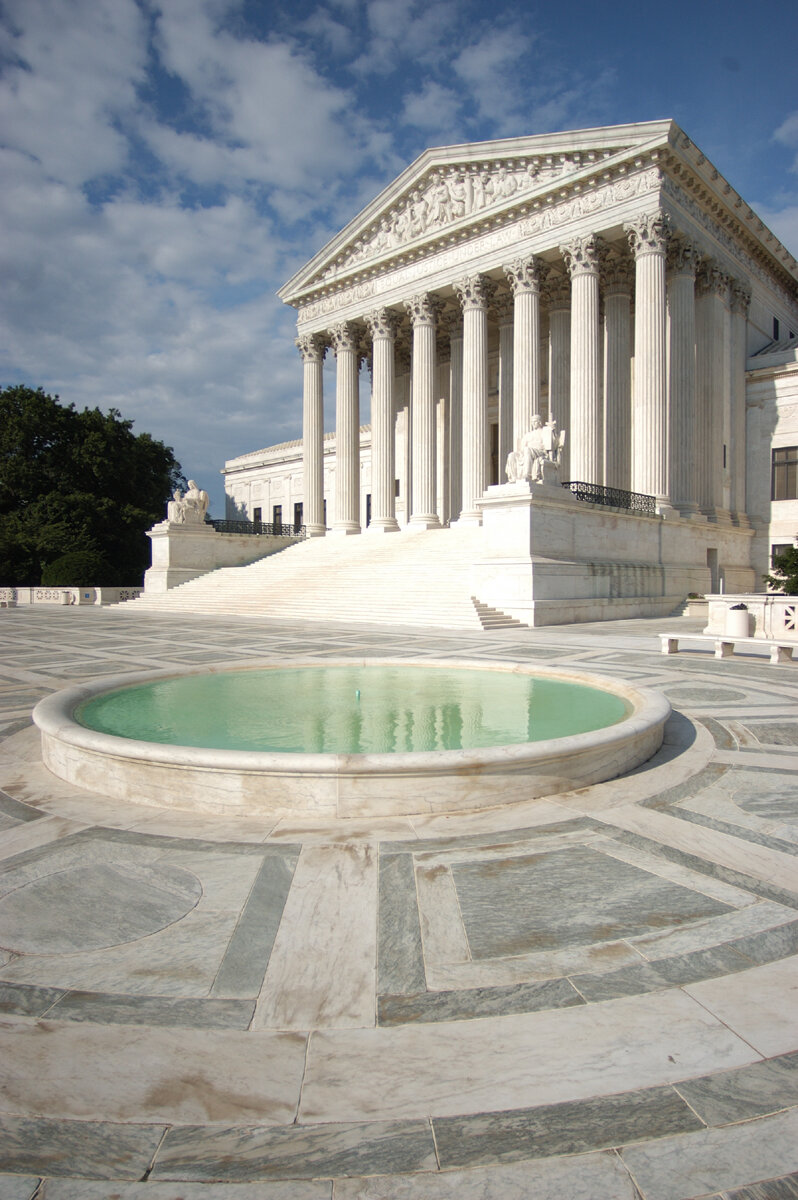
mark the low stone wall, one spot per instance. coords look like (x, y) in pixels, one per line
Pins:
(22, 596)
(769, 615)
(184, 552)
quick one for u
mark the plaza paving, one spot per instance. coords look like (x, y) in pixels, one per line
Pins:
(592, 996)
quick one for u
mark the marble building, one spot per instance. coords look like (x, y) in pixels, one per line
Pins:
(607, 279)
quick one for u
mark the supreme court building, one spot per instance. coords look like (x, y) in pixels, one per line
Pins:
(607, 279)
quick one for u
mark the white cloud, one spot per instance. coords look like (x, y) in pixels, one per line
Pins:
(783, 222)
(490, 68)
(434, 108)
(787, 134)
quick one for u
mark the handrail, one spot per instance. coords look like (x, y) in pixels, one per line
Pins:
(259, 528)
(594, 493)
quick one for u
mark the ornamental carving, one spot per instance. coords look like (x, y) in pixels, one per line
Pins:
(523, 275)
(474, 292)
(344, 336)
(711, 281)
(557, 290)
(618, 275)
(683, 256)
(582, 256)
(502, 308)
(648, 234)
(311, 346)
(382, 324)
(450, 194)
(423, 309)
(740, 297)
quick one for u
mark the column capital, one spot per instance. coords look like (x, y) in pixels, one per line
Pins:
(343, 337)
(648, 233)
(582, 255)
(503, 307)
(382, 324)
(423, 309)
(474, 292)
(311, 346)
(740, 297)
(683, 256)
(617, 275)
(711, 280)
(523, 275)
(557, 290)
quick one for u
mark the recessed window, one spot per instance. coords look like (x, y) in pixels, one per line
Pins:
(775, 329)
(257, 515)
(777, 549)
(785, 474)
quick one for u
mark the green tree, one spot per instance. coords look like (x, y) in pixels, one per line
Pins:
(77, 481)
(785, 572)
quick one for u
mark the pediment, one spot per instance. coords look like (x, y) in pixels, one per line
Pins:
(450, 189)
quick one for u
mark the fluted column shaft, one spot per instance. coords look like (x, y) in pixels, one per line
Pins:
(347, 430)
(474, 294)
(504, 318)
(618, 375)
(422, 310)
(740, 301)
(682, 375)
(456, 417)
(711, 369)
(382, 327)
(524, 279)
(558, 293)
(311, 347)
(582, 259)
(648, 238)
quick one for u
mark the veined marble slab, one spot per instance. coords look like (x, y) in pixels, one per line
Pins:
(82, 1189)
(514, 1061)
(760, 1005)
(58, 1069)
(323, 966)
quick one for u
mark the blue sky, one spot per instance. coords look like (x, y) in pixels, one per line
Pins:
(168, 164)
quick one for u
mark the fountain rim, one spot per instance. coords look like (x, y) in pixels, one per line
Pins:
(54, 717)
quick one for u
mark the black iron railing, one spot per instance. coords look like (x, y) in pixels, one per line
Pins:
(594, 493)
(259, 527)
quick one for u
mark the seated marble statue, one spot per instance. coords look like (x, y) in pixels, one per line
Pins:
(175, 509)
(537, 453)
(195, 503)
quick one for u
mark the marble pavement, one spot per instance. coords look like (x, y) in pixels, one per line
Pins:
(591, 996)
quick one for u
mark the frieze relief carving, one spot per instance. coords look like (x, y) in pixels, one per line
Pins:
(451, 194)
(592, 202)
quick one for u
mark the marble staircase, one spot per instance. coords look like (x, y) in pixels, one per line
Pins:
(420, 578)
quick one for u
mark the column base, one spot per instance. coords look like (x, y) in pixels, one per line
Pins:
(383, 525)
(315, 530)
(345, 529)
(665, 509)
(423, 521)
(468, 518)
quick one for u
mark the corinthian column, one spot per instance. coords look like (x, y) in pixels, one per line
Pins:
(682, 263)
(648, 240)
(524, 279)
(503, 312)
(343, 339)
(712, 289)
(740, 301)
(311, 347)
(382, 327)
(618, 373)
(474, 294)
(422, 310)
(558, 295)
(582, 260)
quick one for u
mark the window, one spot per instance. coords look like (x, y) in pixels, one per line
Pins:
(778, 548)
(776, 329)
(257, 515)
(396, 487)
(277, 514)
(298, 516)
(785, 474)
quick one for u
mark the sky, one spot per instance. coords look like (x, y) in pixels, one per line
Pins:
(166, 165)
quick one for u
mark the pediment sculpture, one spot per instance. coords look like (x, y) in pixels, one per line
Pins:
(536, 458)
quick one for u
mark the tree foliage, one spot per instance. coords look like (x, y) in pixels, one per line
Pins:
(77, 481)
(785, 572)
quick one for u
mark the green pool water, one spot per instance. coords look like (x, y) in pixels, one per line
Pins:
(351, 710)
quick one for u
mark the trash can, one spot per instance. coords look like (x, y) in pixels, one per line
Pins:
(737, 621)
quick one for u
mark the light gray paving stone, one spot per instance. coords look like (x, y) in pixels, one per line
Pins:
(755, 919)
(754, 1091)
(664, 973)
(91, 1149)
(715, 1160)
(583, 1177)
(760, 1005)
(18, 1187)
(400, 961)
(82, 1189)
(550, 1130)
(297, 1152)
(470, 1003)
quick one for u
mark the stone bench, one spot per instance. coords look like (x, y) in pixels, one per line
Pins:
(724, 644)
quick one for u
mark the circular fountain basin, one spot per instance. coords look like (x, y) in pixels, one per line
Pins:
(348, 739)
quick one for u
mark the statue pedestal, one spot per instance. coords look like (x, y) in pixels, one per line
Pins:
(179, 553)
